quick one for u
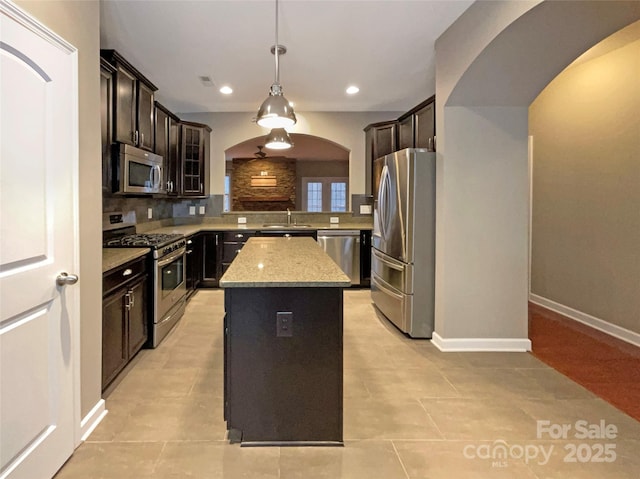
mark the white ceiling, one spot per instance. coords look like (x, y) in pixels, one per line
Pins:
(384, 47)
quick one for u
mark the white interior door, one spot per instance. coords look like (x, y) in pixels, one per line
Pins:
(38, 232)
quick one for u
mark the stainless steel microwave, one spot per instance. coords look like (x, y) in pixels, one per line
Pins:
(137, 171)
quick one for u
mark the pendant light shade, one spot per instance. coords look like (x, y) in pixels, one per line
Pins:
(275, 111)
(278, 139)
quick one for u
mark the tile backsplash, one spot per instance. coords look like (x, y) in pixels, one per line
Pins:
(177, 210)
(163, 208)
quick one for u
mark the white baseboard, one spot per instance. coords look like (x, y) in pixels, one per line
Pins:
(91, 420)
(480, 344)
(584, 318)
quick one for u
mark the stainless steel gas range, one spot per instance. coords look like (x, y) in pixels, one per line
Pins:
(168, 287)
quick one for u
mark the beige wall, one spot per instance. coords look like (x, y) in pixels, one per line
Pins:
(586, 188)
(79, 24)
(344, 128)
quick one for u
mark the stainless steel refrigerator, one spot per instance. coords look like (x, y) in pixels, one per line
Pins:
(403, 253)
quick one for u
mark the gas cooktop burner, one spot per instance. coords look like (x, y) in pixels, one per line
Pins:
(147, 240)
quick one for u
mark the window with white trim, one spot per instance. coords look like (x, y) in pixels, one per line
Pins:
(325, 194)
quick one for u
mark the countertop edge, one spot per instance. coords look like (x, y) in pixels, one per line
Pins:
(115, 257)
(285, 284)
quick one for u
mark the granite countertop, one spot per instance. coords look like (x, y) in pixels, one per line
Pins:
(189, 230)
(268, 262)
(114, 257)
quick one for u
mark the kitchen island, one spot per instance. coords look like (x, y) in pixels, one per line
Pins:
(283, 344)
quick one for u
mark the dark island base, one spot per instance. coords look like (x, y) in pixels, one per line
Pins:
(283, 373)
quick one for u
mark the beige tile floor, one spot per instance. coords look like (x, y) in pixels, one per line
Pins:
(410, 412)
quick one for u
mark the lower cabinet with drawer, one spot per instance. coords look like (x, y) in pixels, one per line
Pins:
(124, 317)
(233, 241)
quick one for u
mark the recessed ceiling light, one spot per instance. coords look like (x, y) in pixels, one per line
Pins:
(291, 104)
(226, 90)
(352, 90)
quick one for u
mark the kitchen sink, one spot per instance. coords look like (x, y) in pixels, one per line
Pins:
(285, 226)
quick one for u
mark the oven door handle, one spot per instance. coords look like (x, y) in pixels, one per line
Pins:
(172, 257)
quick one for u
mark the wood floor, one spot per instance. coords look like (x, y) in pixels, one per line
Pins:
(606, 366)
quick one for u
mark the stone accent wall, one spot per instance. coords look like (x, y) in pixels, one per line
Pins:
(245, 197)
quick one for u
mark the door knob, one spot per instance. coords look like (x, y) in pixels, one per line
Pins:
(64, 278)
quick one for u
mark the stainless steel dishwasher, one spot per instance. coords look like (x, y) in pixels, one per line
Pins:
(343, 246)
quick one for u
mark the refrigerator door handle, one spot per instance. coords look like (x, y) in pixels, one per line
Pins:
(387, 262)
(383, 205)
(387, 290)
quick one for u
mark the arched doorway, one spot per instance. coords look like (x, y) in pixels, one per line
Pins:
(511, 51)
(313, 175)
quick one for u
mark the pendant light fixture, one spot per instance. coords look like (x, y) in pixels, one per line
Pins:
(278, 139)
(275, 111)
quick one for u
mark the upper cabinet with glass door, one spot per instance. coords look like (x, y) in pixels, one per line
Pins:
(194, 158)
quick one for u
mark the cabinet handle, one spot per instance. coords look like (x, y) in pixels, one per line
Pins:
(127, 272)
(217, 239)
(133, 298)
(135, 137)
(189, 242)
(201, 188)
(239, 235)
(141, 139)
(189, 251)
(127, 301)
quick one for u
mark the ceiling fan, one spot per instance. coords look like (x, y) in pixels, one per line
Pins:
(260, 154)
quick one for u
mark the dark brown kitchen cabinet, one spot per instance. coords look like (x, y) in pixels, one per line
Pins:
(405, 132)
(114, 347)
(194, 142)
(365, 258)
(106, 122)
(233, 241)
(146, 125)
(161, 130)
(380, 140)
(283, 385)
(417, 127)
(193, 264)
(211, 259)
(425, 125)
(166, 145)
(124, 317)
(137, 325)
(133, 96)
